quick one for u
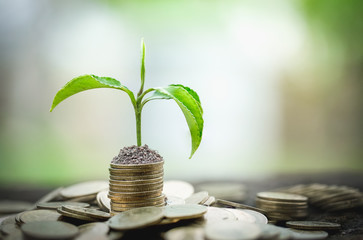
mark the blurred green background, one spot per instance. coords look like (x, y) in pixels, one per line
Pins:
(280, 83)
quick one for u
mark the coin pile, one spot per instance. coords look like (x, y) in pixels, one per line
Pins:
(191, 220)
(328, 197)
(282, 206)
(136, 185)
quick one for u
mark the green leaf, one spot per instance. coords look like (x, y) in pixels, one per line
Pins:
(86, 82)
(189, 103)
(142, 71)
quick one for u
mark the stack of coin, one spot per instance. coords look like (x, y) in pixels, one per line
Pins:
(282, 206)
(328, 197)
(136, 185)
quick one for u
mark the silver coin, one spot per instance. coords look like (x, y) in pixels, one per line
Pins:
(313, 225)
(307, 235)
(215, 214)
(197, 198)
(136, 218)
(49, 230)
(173, 200)
(242, 215)
(178, 188)
(185, 233)
(7, 207)
(55, 205)
(232, 230)
(260, 218)
(84, 189)
(39, 215)
(186, 211)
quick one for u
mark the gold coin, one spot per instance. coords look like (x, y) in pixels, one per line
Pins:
(39, 215)
(49, 230)
(84, 189)
(137, 177)
(137, 182)
(115, 171)
(136, 218)
(89, 212)
(137, 166)
(279, 196)
(141, 188)
(139, 204)
(153, 199)
(133, 195)
(121, 209)
(186, 211)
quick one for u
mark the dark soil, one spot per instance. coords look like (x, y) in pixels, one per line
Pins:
(137, 155)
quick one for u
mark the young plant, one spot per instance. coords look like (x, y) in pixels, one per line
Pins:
(186, 98)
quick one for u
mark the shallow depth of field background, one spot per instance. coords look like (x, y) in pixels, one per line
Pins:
(280, 83)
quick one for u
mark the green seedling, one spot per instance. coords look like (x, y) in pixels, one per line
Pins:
(185, 97)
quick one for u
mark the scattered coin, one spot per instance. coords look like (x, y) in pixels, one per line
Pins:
(197, 198)
(55, 205)
(185, 233)
(260, 218)
(238, 205)
(136, 218)
(89, 212)
(51, 196)
(39, 215)
(49, 230)
(215, 214)
(313, 225)
(84, 199)
(75, 216)
(241, 215)
(84, 189)
(269, 231)
(210, 201)
(279, 196)
(307, 235)
(97, 228)
(178, 188)
(8, 229)
(232, 230)
(226, 190)
(186, 211)
(173, 200)
(8, 219)
(7, 206)
(103, 201)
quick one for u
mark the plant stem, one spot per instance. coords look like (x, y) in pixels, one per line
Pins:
(138, 124)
